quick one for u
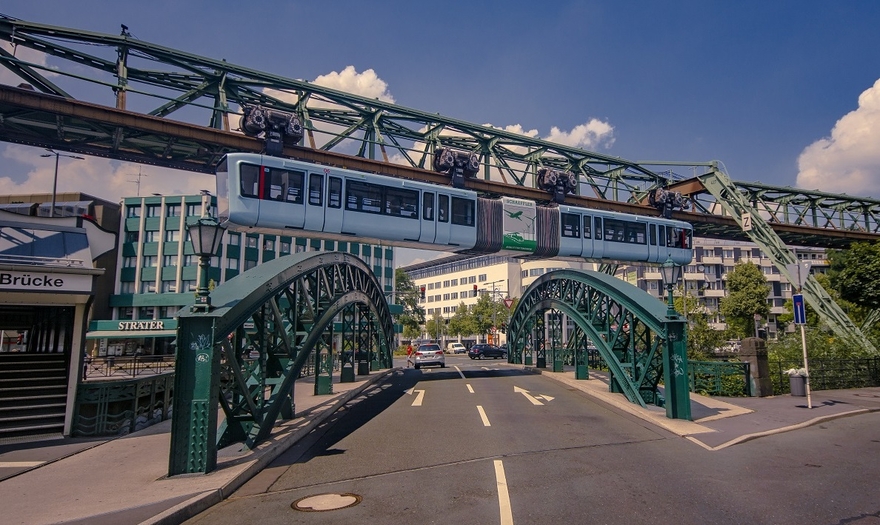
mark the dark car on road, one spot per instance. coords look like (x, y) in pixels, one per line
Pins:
(482, 350)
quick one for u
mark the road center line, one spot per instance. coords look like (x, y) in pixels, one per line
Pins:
(483, 416)
(460, 372)
(503, 495)
(470, 388)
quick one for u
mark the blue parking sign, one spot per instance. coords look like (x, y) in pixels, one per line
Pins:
(800, 311)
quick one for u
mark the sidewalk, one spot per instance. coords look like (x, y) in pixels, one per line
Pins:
(123, 480)
(720, 422)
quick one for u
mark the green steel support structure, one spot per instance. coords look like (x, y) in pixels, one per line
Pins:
(631, 330)
(285, 310)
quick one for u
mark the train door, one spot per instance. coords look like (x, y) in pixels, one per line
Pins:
(315, 203)
(598, 238)
(588, 237)
(429, 218)
(443, 225)
(653, 248)
(333, 209)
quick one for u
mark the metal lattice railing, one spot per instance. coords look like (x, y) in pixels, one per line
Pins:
(714, 378)
(829, 374)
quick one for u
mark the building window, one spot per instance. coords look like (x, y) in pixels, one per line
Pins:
(249, 264)
(132, 237)
(233, 239)
(129, 262)
(232, 264)
(169, 260)
(193, 210)
(269, 245)
(152, 236)
(149, 261)
(173, 210)
(152, 210)
(251, 242)
(148, 287)
(187, 286)
(145, 312)
(167, 312)
(134, 212)
(169, 286)
(190, 260)
(453, 282)
(285, 247)
(126, 313)
(172, 236)
(126, 287)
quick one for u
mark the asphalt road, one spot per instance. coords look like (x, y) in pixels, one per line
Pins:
(484, 443)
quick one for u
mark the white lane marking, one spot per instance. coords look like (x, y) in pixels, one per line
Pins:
(503, 495)
(470, 388)
(528, 396)
(460, 372)
(20, 464)
(420, 396)
(483, 416)
(545, 397)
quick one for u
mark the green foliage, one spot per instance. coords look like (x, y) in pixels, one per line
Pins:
(747, 292)
(821, 344)
(407, 295)
(855, 274)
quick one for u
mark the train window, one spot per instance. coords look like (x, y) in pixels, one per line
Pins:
(678, 238)
(402, 203)
(615, 230)
(361, 196)
(636, 233)
(316, 189)
(250, 180)
(283, 185)
(571, 225)
(334, 192)
(653, 235)
(598, 229)
(428, 206)
(588, 223)
(662, 231)
(443, 209)
(463, 211)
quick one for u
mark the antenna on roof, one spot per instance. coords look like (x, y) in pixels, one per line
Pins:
(138, 181)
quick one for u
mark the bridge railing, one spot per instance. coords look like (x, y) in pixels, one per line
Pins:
(829, 374)
(719, 378)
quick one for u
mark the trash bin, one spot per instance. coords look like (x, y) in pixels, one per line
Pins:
(798, 385)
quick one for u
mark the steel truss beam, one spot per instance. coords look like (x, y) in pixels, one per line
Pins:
(630, 329)
(735, 204)
(285, 310)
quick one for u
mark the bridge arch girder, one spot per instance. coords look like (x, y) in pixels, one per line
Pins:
(628, 326)
(286, 311)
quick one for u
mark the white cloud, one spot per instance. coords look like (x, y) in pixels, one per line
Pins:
(98, 177)
(849, 160)
(27, 55)
(591, 135)
(366, 84)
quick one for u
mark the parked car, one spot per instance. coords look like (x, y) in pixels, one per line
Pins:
(482, 350)
(456, 348)
(430, 355)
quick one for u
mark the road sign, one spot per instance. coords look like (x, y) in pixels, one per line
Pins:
(746, 221)
(800, 311)
(508, 302)
(799, 271)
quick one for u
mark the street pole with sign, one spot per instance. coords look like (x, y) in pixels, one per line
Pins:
(800, 272)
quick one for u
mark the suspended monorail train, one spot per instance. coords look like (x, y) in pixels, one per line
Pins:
(263, 194)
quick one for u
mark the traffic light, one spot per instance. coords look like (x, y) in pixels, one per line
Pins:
(422, 292)
(475, 291)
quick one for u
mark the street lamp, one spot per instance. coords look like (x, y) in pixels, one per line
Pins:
(670, 273)
(55, 181)
(205, 234)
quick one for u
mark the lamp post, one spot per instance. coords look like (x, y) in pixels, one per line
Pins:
(670, 273)
(55, 180)
(205, 234)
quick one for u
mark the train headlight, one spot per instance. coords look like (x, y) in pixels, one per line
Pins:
(457, 164)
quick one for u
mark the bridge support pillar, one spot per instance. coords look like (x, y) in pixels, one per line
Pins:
(754, 352)
(675, 376)
(196, 394)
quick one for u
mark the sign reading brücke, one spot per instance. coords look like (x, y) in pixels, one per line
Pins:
(16, 281)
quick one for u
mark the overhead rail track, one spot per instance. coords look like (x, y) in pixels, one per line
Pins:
(155, 90)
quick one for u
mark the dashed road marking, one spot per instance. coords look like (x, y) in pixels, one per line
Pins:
(483, 416)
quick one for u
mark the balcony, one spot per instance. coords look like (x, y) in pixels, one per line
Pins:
(713, 293)
(710, 260)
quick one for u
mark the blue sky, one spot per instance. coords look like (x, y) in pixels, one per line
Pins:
(782, 92)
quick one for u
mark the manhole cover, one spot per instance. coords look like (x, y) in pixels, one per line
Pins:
(325, 502)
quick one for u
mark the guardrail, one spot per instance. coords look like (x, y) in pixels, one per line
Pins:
(719, 378)
(127, 366)
(119, 407)
(829, 374)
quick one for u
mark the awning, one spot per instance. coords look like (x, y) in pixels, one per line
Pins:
(129, 334)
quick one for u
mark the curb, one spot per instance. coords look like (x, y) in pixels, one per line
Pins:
(262, 458)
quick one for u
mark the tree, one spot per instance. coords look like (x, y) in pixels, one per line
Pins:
(461, 324)
(413, 315)
(702, 339)
(747, 292)
(855, 274)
